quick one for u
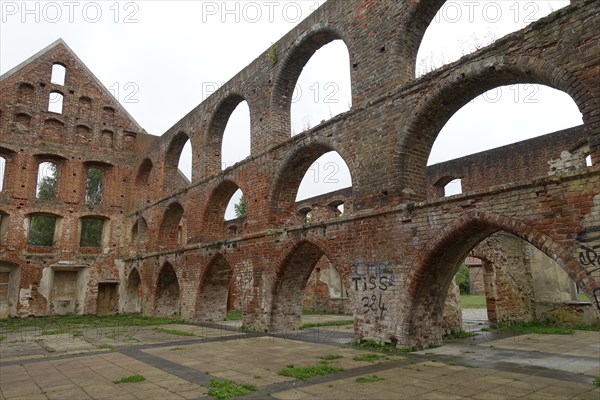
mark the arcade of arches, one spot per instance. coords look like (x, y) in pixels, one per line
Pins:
(385, 249)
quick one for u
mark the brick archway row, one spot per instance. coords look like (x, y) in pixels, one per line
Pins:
(407, 121)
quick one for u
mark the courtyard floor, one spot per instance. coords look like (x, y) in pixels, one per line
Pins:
(178, 361)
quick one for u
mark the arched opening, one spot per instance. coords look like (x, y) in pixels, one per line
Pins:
(47, 181)
(107, 138)
(463, 27)
(513, 281)
(58, 74)
(42, 230)
(323, 89)
(178, 162)
(312, 172)
(4, 217)
(227, 207)
(168, 300)
(55, 102)
(171, 232)
(477, 233)
(23, 121)
(139, 234)
(441, 104)
(291, 289)
(237, 207)
(329, 173)
(25, 93)
(83, 134)
(534, 110)
(143, 182)
(91, 232)
(94, 186)
(325, 291)
(236, 134)
(289, 73)
(2, 172)
(10, 276)
(213, 292)
(185, 162)
(133, 294)
(85, 105)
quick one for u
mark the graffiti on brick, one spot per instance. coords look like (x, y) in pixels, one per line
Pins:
(374, 304)
(375, 278)
(589, 250)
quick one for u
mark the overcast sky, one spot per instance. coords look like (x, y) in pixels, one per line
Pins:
(160, 59)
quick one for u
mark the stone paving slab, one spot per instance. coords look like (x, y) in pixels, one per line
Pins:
(180, 367)
(30, 344)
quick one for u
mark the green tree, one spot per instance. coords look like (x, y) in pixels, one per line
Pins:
(240, 208)
(94, 185)
(41, 230)
(91, 232)
(462, 279)
(47, 178)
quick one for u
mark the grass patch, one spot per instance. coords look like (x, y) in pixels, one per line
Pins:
(597, 381)
(308, 372)
(367, 379)
(105, 346)
(330, 323)
(173, 332)
(367, 357)
(592, 328)
(472, 301)
(540, 328)
(379, 346)
(583, 297)
(130, 379)
(69, 322)
(235, 315)
(331, 357)
(460, 335)
(307, 311)
(226, 389)
(59, 331)
(177, 348)
(2, 338)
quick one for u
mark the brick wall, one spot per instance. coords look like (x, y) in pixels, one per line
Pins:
(396, 248)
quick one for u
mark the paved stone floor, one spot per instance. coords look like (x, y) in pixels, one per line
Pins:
(84, 365)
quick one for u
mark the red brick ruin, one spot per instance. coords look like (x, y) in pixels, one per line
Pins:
(164, 248)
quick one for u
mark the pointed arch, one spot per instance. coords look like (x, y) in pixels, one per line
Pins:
(143, 183)
(133, 294)
(139, 234)
(436, 108)
(216, 130)
(213, 290)
(214, 213)
(169, 232)
(291, 68)
(173, 177)
(438, 262)
(289, 280)
(167, 295)
(283, 193)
